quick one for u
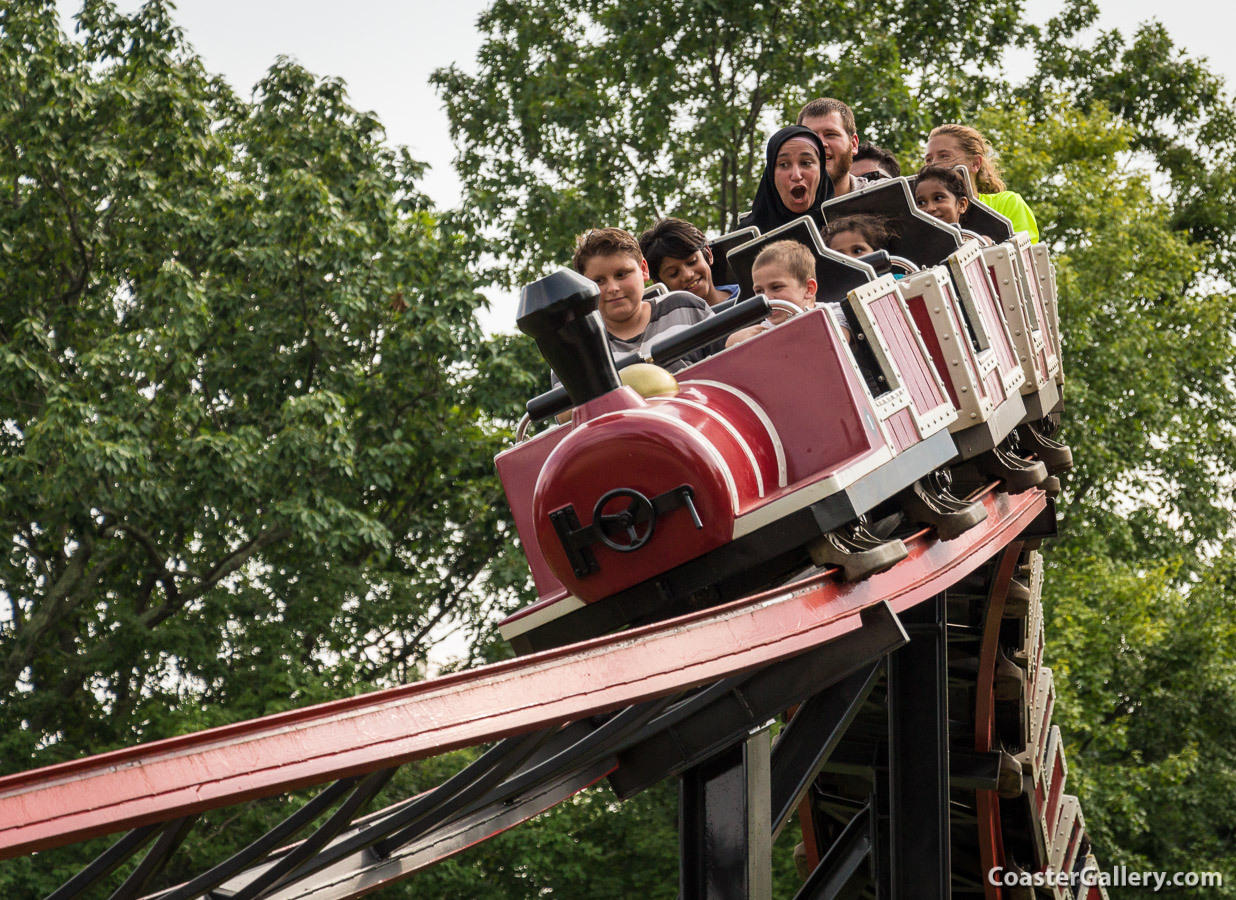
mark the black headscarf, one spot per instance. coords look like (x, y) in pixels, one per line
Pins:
(767, 210)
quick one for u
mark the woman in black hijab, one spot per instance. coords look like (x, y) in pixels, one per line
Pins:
(794, 182)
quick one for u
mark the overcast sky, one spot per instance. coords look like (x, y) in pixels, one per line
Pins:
(386, 50)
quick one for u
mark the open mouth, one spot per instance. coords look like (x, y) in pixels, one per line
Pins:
(799, 193)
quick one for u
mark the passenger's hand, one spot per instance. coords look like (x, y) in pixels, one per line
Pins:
(744, 335)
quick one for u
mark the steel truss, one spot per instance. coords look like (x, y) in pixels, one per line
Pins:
(866, 666)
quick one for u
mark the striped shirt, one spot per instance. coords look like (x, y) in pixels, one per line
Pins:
(675, 310)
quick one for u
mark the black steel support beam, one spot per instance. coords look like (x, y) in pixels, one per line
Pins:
(842, 870)
(514, 768)
(810, 738)
(364, 792)
(724, 828)
(156, 859)
(106, 863)
(491, 768)
(361, 872)
(754, 701)
(969, 770)
(918, 758)
(261, 849)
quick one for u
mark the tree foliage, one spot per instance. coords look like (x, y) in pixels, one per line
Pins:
(247, 418)
(245, 445)
(1138, 590)
(608, 112)
(1180, 112)
(245, 459)
(1147, 687)
(1148, 334)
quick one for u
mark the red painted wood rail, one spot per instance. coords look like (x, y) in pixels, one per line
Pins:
(171, 778)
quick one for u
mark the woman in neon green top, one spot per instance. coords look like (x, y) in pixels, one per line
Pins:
(961, 145)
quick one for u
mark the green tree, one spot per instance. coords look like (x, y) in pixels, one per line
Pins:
(245, 451)
(1147, 689)
(246, 417)
(1180, 112)
(1148, 361)
(614, 113)
(1138, 590)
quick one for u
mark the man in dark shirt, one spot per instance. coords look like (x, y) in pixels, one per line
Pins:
(873, 163)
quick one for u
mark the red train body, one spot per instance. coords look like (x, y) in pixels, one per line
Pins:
(648, 506)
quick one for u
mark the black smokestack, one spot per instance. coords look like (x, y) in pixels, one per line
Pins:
(559, 311)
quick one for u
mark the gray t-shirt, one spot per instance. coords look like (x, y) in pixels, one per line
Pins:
(670, 312)
(676, 310)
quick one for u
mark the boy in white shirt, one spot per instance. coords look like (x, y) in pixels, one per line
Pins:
(785, 270)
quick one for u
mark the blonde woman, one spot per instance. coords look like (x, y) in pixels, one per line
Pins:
(961, 145)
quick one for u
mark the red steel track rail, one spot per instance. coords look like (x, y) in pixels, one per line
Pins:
(991, 845)
(168, 779)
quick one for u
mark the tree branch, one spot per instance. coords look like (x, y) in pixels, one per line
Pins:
(62, 598)
(149, 544)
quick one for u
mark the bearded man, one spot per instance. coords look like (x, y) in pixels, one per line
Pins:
(833, 123)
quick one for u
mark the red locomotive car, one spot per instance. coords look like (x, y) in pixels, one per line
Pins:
(743, 471)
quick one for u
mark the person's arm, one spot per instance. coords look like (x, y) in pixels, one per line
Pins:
(837, 311)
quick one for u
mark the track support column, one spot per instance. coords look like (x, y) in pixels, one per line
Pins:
(725, 824)
(919, 861)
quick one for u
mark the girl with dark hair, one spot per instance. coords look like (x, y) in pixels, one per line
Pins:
(859, 235)
(941, 192)
(793, 184)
